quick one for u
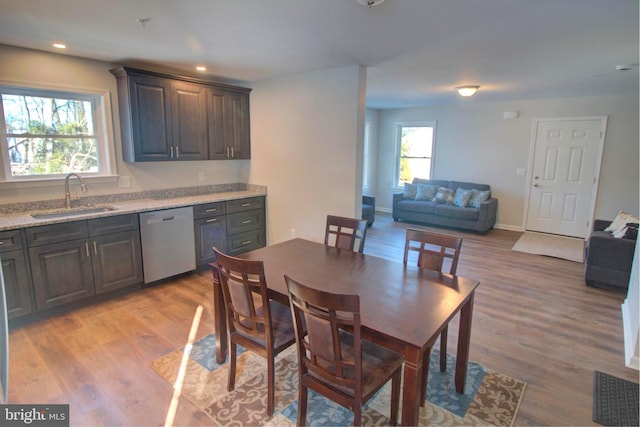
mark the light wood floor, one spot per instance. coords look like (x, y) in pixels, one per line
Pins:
(534, 319)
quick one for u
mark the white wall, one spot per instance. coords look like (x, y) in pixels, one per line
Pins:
(28, 66)
(474, 143)
(307, 137)
(631, 315)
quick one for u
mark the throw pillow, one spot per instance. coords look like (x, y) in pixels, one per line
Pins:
(478, 197)
(620, 222)
(462, 197)
(426, 191)
(410, 190)
(628, 231)
(444, 195)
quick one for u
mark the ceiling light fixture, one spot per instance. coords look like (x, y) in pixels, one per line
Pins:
(370, 3)
(201, 68)
(60, 45)
(468, 90)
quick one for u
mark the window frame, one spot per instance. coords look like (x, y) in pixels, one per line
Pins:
(398, 144)
(103, 133)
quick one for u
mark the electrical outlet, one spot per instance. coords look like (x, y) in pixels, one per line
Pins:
(124, 181)
(292, 233)
(520, 172)
(200, 176)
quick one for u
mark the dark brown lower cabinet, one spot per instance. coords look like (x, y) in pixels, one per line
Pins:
(17, 283)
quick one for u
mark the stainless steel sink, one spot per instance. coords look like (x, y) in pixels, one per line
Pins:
(72, 212)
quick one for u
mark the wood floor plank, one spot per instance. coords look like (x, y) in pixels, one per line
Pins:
(534, 319)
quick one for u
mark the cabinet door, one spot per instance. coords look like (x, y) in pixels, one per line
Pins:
(61, 273)
(151, 117)
(216, 123)
(209, 232)
(116, 260)
(238, 137)
(189, 120)
(17, 285)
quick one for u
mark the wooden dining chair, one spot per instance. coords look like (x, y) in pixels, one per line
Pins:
(266, 328)
(343, 232)
(438, 252)
(333, 359)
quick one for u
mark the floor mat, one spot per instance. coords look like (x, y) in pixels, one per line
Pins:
(615, 401)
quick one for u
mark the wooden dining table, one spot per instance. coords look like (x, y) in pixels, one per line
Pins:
(403, 308)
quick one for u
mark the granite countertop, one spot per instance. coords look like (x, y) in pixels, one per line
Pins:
(21, 216)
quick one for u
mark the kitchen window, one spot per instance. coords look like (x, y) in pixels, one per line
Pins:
(415, 147)
(47, 134)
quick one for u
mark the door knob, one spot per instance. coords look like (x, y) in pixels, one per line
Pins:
(536, 185)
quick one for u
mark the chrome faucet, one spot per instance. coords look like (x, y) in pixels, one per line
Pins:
(67, 193)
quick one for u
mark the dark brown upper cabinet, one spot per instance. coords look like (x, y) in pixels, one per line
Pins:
(166, 118)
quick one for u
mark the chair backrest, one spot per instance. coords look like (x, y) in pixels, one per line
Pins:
(433, 249)
(320, 321)
(241, 279)
(343, 232)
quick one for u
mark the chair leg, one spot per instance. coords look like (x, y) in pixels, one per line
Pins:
(357, 415)
(395, 398)
(232, 367)
(270, 385)
(425, 375)
(443, 349)
(302, 405)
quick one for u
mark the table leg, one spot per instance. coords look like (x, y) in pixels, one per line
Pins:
(464, 339)
(412, 382)
(219, 318)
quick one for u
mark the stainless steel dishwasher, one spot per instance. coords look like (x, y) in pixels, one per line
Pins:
(168, 246)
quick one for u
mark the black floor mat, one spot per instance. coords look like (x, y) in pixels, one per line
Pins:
(615, 401)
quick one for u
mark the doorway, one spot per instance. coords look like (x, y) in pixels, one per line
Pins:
(565, 167)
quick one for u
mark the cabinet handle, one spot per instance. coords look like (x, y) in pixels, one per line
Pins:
(212, 220)
(86, 248)
(244, 205)
(246, 242)
(232, 153)
(177, 152)
(228, 152)
(211, 210)
(171, 149)
(1, 242)
(246, 221)
(95, 249)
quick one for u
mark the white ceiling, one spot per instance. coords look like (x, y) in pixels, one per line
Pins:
(416, 51)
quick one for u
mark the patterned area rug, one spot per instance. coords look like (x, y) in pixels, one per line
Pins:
(490, 398)
(551, 245)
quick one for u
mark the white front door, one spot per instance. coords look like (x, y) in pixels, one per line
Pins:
(564, 172)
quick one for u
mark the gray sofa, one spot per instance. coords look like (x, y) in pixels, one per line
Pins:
(479, 218)
(608, 259)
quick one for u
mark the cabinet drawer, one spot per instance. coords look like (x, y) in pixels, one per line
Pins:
(113, 224)
(209, 209)
(245, 204)
(10, 240)
(245, 221)
(244, 242)
(37, 236)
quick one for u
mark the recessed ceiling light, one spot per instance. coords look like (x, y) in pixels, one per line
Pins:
(201, 68)
(60, 45)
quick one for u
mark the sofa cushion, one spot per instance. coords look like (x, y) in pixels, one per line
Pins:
(410, 191)
(461, 197)
(478, 197)
(469, 185)
(426, 191)
(456, 212)
(444, 195)
(422, 206)
(436, 182)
